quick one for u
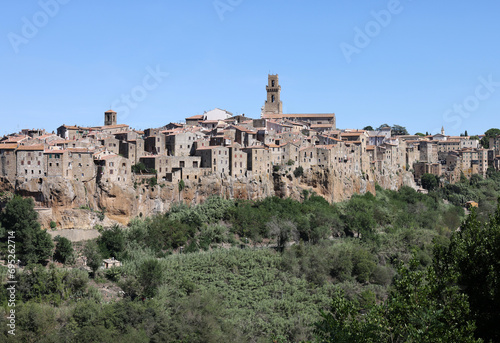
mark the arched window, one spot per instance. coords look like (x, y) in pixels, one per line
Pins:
(272, 98)
(272, 83)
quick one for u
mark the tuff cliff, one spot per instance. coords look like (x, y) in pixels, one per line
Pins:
(76, 204)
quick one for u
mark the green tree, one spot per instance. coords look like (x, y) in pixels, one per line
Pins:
(150, 277)
(420, 134)
(491, 133)
(64, 250)
(420, 309)
(298, 172)
(93, 256)
(429, 181)
(33, 245)
(112, 242)
(139, 168)
(471, 260)
(398, 130)
(283, 230)
(368, 128)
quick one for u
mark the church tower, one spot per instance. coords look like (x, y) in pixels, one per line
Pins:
(109, 118)
(273, 103)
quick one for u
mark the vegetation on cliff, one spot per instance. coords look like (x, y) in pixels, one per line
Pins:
(390, 267)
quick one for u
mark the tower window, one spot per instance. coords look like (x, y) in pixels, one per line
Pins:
(272, 83)
(272, 98)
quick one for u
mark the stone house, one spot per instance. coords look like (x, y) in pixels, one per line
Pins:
(30, 161)
(113, 168)
(56, 161)
(132, 149)
(258, 160)
(181, 143)
(216, 158)
(155, 144)
(81, 164)
(428, 152)
(237, 161)
(8, 166)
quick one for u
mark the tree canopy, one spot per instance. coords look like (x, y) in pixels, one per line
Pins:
(491, 133)
(33, 245)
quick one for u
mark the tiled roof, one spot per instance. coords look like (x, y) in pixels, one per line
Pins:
(10, 146)
(31, 147)
(296, 115)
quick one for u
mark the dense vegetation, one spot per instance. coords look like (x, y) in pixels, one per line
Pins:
(372, 269)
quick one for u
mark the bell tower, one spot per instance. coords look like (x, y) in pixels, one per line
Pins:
(273, 103)
(109, 118)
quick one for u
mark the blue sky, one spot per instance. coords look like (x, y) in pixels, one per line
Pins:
(422, 64)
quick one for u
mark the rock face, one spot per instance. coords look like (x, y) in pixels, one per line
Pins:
(75, 204)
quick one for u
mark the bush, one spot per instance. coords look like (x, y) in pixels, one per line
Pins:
(298, 172)
(64, 250)
(53, 224)
(153, 181)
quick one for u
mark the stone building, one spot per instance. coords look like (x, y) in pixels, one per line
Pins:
(109, 118)
(155, 144)
(132, 149)
(30, 162)
(73, 132)
(216, 158)
(273, 104)
(56, 161)
(8, 167)
(181, 143)
(81, 164)
(113, 168)
(258, 160)
(428, 152)
(237, 160)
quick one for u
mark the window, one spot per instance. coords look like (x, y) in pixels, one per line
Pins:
(272, 98)
(29, 154)
(38, 163)
(39, 154)
(29, 162)
(111, 171)
(57, 164)
(272, 83)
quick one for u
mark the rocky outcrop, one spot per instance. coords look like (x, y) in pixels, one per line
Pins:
(82, 205)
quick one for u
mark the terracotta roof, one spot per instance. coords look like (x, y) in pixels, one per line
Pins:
(6, 146)
(210, 147)
(352, 134)
(12, 139)
(54, 151)
(370, 147)
(110, 111)
(296, 115)
(110, 127)
(80, 150)
(196, 117)
(31, 147)
(320, 125)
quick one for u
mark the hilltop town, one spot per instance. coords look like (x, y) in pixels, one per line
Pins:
(122, 172)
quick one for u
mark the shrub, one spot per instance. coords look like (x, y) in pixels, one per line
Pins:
(53, 224)
(298, 172)
(64, 250)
